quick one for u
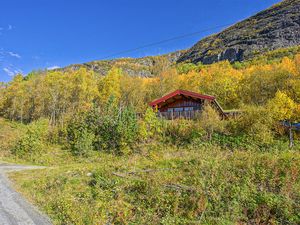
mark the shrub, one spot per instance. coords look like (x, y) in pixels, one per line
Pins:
(33, 142)
(112, 129)
(127, 128)
(257, 122)
(150, 126)
(83, 143)
(210, 121)
(80, 138)
(116, 129)
(231, 142)
(185, 68)
(181, 131)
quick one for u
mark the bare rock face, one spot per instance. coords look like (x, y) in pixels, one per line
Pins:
(143, 67)
(274, 28)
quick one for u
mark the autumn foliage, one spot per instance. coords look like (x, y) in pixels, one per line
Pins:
(118, 163)
(267, 93)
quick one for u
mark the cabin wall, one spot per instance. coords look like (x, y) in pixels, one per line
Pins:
(182, 105)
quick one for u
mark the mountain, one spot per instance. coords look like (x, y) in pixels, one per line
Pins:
(271, 29)
(145, 67)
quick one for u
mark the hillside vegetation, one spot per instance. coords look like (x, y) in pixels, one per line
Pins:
(169, 185)
(114, 167)
(56, 94)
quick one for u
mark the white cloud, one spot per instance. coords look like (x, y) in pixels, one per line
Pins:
(16, 55)
(36, 57)
(18, 71)
(3, 30)
(53, 67)
(9, 72)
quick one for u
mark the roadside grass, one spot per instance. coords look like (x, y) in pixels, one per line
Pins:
(169, 185)
(226, 181)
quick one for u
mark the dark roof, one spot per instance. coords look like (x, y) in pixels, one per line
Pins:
(181, 92)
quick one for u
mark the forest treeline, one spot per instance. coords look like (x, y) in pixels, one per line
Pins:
(55, 94)
(95, 112)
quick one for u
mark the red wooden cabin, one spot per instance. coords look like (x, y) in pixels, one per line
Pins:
(184, 104)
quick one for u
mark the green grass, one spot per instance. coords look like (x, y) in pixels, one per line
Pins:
(169, 185)
(218, 182)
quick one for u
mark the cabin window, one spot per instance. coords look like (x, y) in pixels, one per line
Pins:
(188, 108)
(178, 109)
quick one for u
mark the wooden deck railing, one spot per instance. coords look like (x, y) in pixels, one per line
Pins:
(176, 115)
(191, 115)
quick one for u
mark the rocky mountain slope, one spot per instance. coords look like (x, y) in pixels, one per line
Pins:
(144, 67)
(276, 27)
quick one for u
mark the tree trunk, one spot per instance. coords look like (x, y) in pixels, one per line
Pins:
(209, 134)
(291, 136)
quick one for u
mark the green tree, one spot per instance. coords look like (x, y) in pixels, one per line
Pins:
(150, 125)
(33, 142)
(210, 120)
(283, 108)
(111, 129)
(110, 85)
(258, 123)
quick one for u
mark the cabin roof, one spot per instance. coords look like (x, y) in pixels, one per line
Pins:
(181, 92)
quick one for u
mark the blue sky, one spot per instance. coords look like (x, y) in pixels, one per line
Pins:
(39, 34)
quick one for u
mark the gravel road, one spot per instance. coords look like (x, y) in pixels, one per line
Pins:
(14, 209)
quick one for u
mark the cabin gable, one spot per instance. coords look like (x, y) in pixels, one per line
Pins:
(184, 104)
